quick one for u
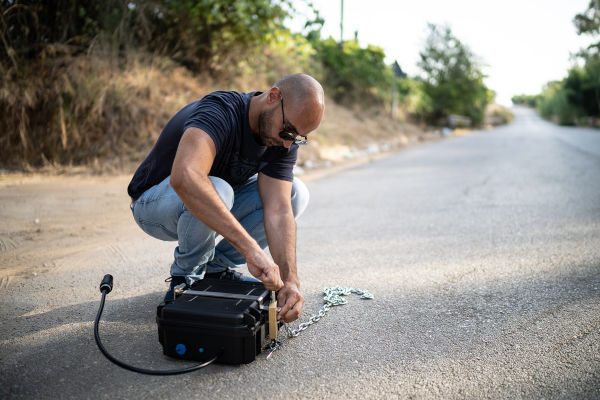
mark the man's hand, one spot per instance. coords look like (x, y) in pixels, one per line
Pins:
(262, 267)
(291, 301)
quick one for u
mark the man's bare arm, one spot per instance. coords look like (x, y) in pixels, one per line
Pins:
(189, 178)
(280, 228)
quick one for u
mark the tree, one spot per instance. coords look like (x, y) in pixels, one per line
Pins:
(588, 22)
(453, 79)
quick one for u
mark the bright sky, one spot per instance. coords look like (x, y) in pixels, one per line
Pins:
(522, 43)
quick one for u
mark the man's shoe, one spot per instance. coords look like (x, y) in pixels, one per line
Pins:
(230, 275)
(175, 281)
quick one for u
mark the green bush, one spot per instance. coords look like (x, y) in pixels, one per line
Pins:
(353, 74)
(206, 36)
(576, 98)
(213, 35)
(554, 103)
(285, 53)
(453, 80)
(525, 99)
(415, 99)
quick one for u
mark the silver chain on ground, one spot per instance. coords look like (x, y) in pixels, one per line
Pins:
(332, 296)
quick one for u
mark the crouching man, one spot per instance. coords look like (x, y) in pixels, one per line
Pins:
(222, 168)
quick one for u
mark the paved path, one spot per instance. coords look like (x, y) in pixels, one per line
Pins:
(482, 251)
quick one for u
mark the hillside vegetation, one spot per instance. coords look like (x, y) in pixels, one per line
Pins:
(92, 83)
(575, 99)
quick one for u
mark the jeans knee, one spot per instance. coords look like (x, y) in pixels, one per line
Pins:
(224, 190)
(300, 197)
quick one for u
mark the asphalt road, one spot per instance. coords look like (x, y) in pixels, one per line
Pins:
(482, 252)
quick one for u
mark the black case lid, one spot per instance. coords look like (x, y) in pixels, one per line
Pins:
(218, 302)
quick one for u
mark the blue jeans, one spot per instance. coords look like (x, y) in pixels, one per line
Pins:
(160, 213)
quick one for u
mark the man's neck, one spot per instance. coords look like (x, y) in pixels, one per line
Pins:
(254, 112)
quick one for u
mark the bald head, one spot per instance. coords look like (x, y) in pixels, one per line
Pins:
(301, 88)
(304, 95)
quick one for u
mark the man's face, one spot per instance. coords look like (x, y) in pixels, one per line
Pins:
(274, 129)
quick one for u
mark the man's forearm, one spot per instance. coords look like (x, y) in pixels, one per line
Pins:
(281, 237)
(203, 201)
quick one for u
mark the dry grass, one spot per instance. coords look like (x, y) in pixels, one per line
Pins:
(103, 114)
(495, 115)
(86, 110)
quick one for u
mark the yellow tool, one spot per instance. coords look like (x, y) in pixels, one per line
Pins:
(273, 317)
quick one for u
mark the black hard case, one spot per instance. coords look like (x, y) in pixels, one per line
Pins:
(224, 316)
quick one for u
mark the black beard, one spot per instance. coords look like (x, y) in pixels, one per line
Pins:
(262, 128)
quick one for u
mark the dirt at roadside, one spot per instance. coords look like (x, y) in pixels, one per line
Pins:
(46, 220)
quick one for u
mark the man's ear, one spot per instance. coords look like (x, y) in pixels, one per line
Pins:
(274, 95)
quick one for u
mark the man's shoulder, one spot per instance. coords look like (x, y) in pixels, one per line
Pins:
(226, 103)
(227, 97)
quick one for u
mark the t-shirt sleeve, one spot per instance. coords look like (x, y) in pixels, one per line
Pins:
(211, 115)
(282, 167)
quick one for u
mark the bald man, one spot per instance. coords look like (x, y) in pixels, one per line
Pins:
(220, 182)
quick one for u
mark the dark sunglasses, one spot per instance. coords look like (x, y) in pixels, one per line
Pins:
(288, 134)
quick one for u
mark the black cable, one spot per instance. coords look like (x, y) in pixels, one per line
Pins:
(105, 288)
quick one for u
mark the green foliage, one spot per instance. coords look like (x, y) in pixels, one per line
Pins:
(554, 103)
(284, 54)
(203, 35)
(453, 79)
(34, 30)
(211, 35)
(525, 99)
(588, 22)
(583, 88)
(353, 74)
(415, 99)
(577, 97)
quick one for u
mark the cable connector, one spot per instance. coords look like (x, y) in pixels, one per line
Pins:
(106, 284)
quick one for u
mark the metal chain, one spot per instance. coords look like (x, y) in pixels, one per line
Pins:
(332, 296)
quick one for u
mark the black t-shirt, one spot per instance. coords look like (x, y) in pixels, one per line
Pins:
(224, 116)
